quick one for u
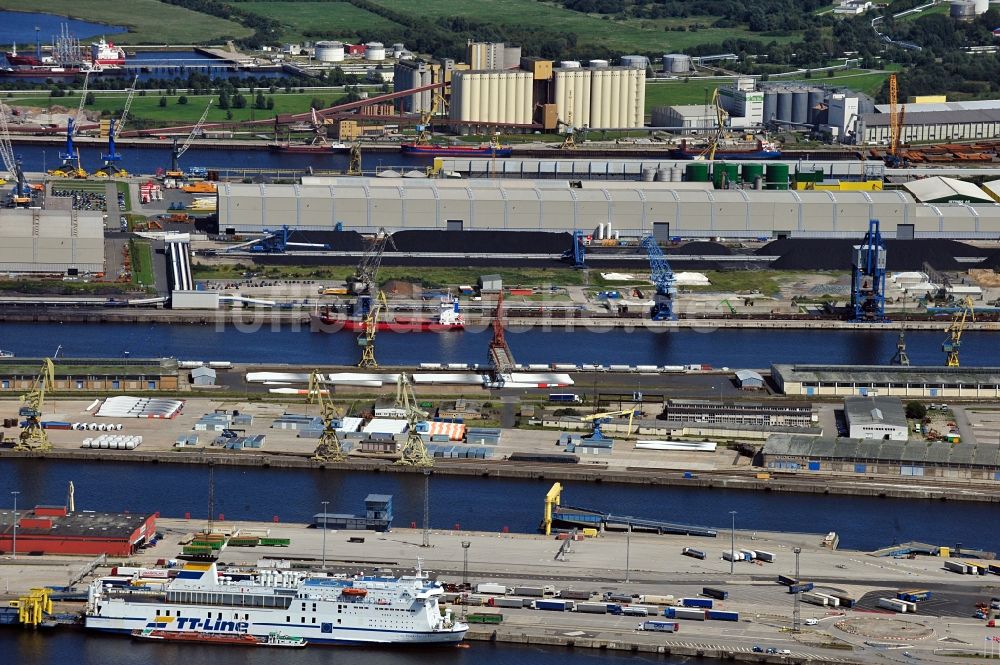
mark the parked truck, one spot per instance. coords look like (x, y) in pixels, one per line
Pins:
(801, 587)
(692, 552)
(491, 588)
(592, 608)
(697, 602)
(535, 591)
(720, 615)
(652, 599)
(660, 626)
(554, 605)
(712, 592)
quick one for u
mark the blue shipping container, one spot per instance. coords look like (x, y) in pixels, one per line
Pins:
(801, 587)
(719, 615)
(553, 605)
(696, 602)
(787, 581)
(669, 613)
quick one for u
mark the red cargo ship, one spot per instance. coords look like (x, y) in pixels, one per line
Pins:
(15, 59)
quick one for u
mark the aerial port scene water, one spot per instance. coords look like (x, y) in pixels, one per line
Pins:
(506, 331)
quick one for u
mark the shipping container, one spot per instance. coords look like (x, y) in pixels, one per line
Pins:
(766, 557)
(554, 605)
(484, 618)
(956, 567)
(491, 587)
(845, 601)
(576, 594)
(564, 397)
(502, 601)
(712, 592)
(911, 607)
(691, 613)
(913, 595)
(787, 581)
(801, 587)
(748, 555)
(660, 626)
(892, 604)
(651, 599)
(815, 599)
(592, 608)
(697, 602)
(720, 615)
(692, 552)
(831, 601)
(730, 555)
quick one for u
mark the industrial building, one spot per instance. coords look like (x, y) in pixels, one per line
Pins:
(876, 418)
(635, 208)
(686, 118)
(411, 74)
(54, 530)
(90, 374)
(779, 413)
(51, 241)
(743, 102)
(877, 380)
(605, 98)
(919, 459)
(946, 190)
(925, 125)
(492, 55)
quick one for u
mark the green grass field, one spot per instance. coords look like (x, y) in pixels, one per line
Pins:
(142, 263)
(148, 21)
(341, 20)
(148, 107)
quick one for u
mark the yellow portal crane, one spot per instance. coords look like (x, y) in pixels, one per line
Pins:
(955, 330)
(424, 132)
(552, 498)
(720, 126)
(600, 418)
(32, 436)
(329, 448)
(414, 451)
(32, 608)
(354, 163)
(366, 340)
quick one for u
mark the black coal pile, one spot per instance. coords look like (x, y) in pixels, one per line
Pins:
(481, 242)
(835, 253)
(701, 248)
(337, 241)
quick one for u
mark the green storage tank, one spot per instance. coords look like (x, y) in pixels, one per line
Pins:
(697, 172)
(777, 176)
(751, 171)
(730, 171)
(810, 176)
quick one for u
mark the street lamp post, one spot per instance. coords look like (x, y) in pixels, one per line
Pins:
(465, 561)
(796, 610)
(628, 550)
(732, 543)
(14, 546)
(325, 504)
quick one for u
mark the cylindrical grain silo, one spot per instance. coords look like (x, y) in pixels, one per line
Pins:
(569, 64)
(579, 96)
(676, 174)
(598, 64)
(800, 105)
(472, 92)
(484, 98)
(509, 98)
(616, 98)
(630, 89)
(816, 97)
(520, 117)
(586, 83)
(606, 108)
(464, 98)
(770, 105)
(493, 95)
(559, 96)
(784, 104)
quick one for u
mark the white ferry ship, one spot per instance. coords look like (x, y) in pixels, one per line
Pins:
(320, 609)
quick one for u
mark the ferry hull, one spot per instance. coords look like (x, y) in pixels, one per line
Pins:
(455, 151)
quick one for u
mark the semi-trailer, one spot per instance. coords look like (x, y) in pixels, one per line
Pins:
(576, 594)
(693, 613)
(831, 601)
(815, 599)
(692, 552)
(956, 567)
(535, 591)
(766, 557)
(721, 615)
(913, 595)
(554, 605)
(660, 626)
(592, 608)
(786, 580)
(638, 611)
(801, 587)
(511, 602)
(845, 600)
(697, 602)
(712, 592)
(651, 599)
(492, 588)
(893, 604)
(484, 618)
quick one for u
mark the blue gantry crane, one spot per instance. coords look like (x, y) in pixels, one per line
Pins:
(662, 277)
(578, 252)
(868, 278)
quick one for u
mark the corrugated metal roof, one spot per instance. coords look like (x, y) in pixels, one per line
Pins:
(898, 376)
(935, 117)
(912, 452)
(992, 188)
(938, 188)
(875, 410)
(975, 105)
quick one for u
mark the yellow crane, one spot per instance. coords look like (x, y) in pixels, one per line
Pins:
(366, 340)
(597, 419)
(414, 452)
(552, 498)
(424, 131)
(32, 436)
(720, 127)
(32, 608)
(354, 163)
(329, 448)
(955, 330)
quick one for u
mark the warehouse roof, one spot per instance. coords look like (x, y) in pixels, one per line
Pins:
(936, 117)
(992, 188)
(75, 525)
(875, 411)
(875, 374)
(748, 375)
(939, 189)
(975, 105)
(692, 110)
(874, 450)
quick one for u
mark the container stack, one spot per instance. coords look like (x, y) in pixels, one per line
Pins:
(459, 452)
(297, 421)
(483, 436)
(186, 441)
(213, 422)
(113, 442)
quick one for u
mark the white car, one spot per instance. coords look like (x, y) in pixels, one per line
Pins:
(812, 622)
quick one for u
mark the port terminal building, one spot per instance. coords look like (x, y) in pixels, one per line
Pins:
(876, 418)
(55, 530)
(664, 209)
(937, 459)
(66, 242)
(877, 380)
(17, 375)
(776, 413)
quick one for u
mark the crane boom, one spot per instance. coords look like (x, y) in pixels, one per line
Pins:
(662, 276)
(194, 131)
(79, 109)
(128, 106)
(955, 330)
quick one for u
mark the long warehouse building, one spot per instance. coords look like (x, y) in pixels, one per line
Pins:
(51, 241)
(664, 209)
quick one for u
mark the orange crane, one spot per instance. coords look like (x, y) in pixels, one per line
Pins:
(897, 116)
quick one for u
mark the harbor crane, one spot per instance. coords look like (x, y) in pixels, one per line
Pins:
(365, 282)
(663, 279)
(366, 340)
(424, 129)
(952, 345)
(598, 419)
(500, 356)
(176, 153)
(720, 128)
(414, 452)
(70, 167)
(897, 118)
(111, 159)
(868, 262)
(329, 448)
(20, 196)
(274, 242)
(354, 160)
(33, 436)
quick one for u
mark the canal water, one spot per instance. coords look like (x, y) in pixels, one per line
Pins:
(262, 343)
(19, 28)
(481, 504)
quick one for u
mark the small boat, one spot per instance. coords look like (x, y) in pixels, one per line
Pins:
(281, 640)
(6, 354)
(354, 592)
(196, 637)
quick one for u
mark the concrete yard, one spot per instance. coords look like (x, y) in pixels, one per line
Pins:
(943, 625)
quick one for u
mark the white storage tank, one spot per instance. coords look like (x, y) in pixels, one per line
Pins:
(963, 10)
(599, 64)
(329, 51)
(676, 63)
(981, 6)
(569, 64)
(635, 61)
(375, 51)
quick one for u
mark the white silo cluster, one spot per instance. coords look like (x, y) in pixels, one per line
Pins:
(375, 51)
(484, 97)
(330, 51)
(606, 98)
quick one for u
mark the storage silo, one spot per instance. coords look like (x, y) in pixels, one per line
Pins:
(616, 98)
(816, 97)
(630, 93)
(560, 98)
(751, 172)
(696, 172)
(800, 105)
(484, 98)
(493, 97)
(634, 61)
(676, 174)
(464, 95)
(606, 108)
(640, 100)
(784, 104)
(375, 51)
(522, 112)
(770, 105)
(981, 6)
(676, 63)
(598, 64)
(777, 176)
(509, 97)
(569, 64)
(648, 174)
(662, 175)
(963, 10)
(329, 51)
